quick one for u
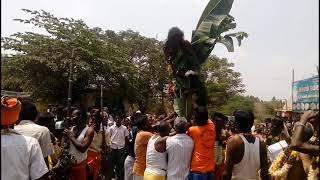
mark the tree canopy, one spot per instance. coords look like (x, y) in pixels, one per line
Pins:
(238, 102)
(222, 82)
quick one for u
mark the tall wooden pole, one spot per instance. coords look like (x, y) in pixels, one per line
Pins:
(101, 96)
(65, 155)
(70, 88)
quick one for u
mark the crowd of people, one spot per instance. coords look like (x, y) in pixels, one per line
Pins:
(149, 147)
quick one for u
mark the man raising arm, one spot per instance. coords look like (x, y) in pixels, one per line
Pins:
(297, 142)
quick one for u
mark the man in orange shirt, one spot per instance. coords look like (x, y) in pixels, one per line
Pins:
(204, 137)
(140, 146)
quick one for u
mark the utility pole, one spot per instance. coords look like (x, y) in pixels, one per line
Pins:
(292, 86)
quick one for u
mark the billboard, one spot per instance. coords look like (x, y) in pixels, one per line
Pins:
(305, 94)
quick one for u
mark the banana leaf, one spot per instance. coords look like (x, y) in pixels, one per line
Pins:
(216, 6)
(228, 41)
(214, 21)
(239, 36)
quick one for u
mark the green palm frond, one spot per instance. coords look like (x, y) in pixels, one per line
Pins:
(214, 21)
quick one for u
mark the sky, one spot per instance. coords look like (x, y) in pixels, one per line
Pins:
(283, 35)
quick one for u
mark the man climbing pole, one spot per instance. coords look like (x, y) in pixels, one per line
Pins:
(184, 59)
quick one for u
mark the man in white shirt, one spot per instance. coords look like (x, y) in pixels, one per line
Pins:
(28, 127)
(21, 156)
(119, 139)
(179, 149)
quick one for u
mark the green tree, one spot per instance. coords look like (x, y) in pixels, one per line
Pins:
(238, 102)
(146, 54)
(41, 62)
(263, 110)
(129, 63)
(222, 82)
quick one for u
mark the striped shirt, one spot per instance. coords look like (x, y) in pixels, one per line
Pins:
(179, 149)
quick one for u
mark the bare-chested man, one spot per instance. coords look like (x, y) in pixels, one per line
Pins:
(300, 167)
(302, 132)
(297, 142)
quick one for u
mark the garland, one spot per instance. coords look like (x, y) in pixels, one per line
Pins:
(314, 169)
(280, 167)
(66, 161)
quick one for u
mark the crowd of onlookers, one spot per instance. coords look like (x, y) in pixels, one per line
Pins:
(106, 145)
